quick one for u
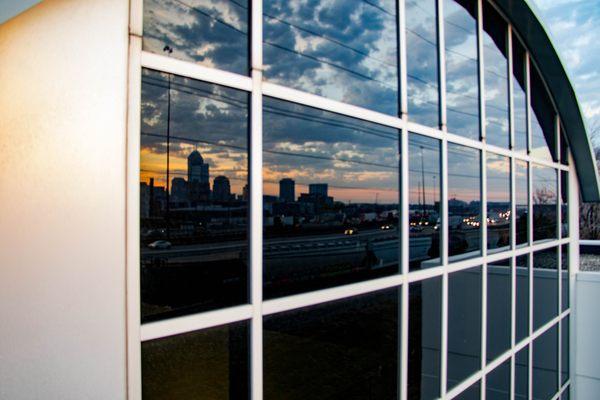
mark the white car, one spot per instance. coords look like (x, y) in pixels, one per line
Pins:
(160, 245)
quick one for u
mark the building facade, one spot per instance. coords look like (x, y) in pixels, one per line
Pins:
(439, 157)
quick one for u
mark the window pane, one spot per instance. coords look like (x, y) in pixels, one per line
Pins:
(519, 97)
(564, 273)
(213, 33)
(462, 82)
(464, 325)
(498, 308)
(498, 383)
(496, 77)
(472, 393)
(522, 298)
(544, 203)
(193, 237)
(542, 120)
(498, 201)
(422, 63)
(522, 374)
(564, 340)
(346, 50)
(347, 349)
(564, 203)
(464, 204)
(424, 339)
(545, 365)
(522, 201)
(208, 364)
(342, 226)
(425, 197)
(545, 286)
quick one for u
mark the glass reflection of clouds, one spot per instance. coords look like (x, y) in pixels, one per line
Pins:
(209, 32)
(498, 201)
(543, 135)
(496, 77)
(424, 196)
(422, 62)
(462, 82)
(346, 50)
(193, 196)
(464, 201)
(331, 198)
(519, 96)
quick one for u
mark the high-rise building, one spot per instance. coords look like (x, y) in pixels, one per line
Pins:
(318, 189)
(221, 189)
(287, 190)
(198, 171)
(179, 190)
(198, 178)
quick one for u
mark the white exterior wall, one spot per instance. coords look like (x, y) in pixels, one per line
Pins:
(63, 80)
(587, 336)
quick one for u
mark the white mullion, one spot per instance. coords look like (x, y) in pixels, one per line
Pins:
(133, 138)
(559, 350)
(174, 66)
(513, 206)
(443, 120)
(529, 339)
(288, 303)
(528, 101)
(402, 64)
(573, 209)
(404, 259)
(481, 73)
(444, 258)
(323, 103)
(511, 103)
(194, 322)
(136, 18)
(403, 317)
(256, 201)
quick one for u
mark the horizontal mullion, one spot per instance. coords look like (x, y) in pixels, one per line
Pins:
(195, 71)
(190, 323)
(323, 103)
(331, 294)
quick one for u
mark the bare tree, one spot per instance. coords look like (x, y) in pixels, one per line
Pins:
(589, 225)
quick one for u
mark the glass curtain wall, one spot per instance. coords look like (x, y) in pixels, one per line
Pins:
(315, 228)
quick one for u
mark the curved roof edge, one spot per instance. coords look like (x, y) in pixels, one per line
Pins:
(530, 28)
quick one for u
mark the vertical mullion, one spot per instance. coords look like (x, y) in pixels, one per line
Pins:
(441, 66)
(404, 261)
(528, 101)
(256, 364)
(481, 70)
(483, 186)
(511, 103)
(402, 65)
(444, 258)
(530, 341)
(134, 357)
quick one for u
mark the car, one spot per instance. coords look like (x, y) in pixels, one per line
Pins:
(351, 231)
(387, 227)
(160, 245)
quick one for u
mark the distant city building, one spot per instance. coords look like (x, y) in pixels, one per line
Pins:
(287, 190)
(198, 178)
(198, 171)
(245, 193)
(221, 189)
(318, 189)
(179, 190)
